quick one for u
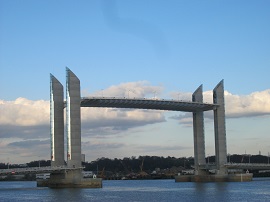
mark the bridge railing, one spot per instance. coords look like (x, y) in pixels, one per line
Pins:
(134, 98)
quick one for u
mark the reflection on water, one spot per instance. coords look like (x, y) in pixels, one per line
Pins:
(141, 190)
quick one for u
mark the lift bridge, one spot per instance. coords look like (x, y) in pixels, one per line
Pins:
(71, 170)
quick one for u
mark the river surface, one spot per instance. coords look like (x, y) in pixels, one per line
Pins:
(142, 190)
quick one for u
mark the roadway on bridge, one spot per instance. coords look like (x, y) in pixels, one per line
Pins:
(143, 103)
(245, 166)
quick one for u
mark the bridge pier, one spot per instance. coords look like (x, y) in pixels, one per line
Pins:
(220, 132)
(70, 177)
(201, 170)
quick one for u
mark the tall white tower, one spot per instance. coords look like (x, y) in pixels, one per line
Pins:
(220, 129)
(56, 122)
(198, 131)
(73, 119)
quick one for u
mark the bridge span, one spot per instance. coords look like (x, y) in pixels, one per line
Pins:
(144, 103)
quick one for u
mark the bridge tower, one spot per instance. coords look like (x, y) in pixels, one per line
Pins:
(198, 131)
(73, 119)
(56, 122)
(220, 130)
(72, 175)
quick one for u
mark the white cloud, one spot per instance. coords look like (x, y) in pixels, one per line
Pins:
(236, 106)
(254, 104)
(28, 119)
(24, 112)
(140, 89)
(29, 113)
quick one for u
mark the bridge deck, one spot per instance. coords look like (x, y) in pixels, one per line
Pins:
(249, 166)
(135, 103)
(47, 169)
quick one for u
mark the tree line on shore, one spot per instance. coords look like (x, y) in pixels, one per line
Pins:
(144, 163)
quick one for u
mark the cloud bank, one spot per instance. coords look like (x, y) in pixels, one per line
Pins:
(254, 104)
(24, 112)
(28, 119)
(236, 106)
(32, 117)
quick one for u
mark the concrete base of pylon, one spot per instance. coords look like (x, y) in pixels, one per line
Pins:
(69, 179)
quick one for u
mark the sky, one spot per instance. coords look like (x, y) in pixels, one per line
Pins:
(152, 49)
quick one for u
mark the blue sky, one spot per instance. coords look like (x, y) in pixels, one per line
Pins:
(137, 48)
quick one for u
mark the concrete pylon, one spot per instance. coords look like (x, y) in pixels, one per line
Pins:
(220, 130)
(73, 119)
(56, 122)
(198, 131)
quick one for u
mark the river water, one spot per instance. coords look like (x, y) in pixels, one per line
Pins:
(142, 190)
